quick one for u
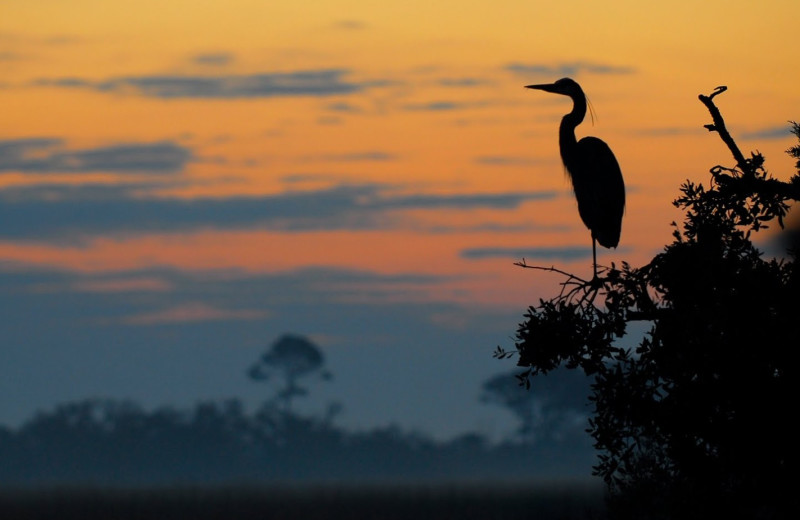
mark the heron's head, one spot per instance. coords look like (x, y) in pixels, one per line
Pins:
(564, 86)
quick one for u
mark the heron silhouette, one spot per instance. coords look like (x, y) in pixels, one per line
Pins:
(593, 169)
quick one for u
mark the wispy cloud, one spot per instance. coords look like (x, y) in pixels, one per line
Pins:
(773, 132)
(344, 108)
(350, 25)
(369, 155)
(172, 295)
(566, 69)
(318, 83)
(506, 160)
(667, 131)
(192, 312)
(461, 82)
(544, 253)
(496, 201)
(214, 59)
(49, 155)
(437, 106)
(56, 212)
(10, 56)
(121, 284)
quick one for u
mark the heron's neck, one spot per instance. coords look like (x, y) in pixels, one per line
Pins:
(566, 133)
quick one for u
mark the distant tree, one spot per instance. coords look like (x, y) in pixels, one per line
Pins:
(697, 421)
(290, 358)
(555, 406)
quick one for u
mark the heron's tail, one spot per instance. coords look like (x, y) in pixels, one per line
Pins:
(608, 238)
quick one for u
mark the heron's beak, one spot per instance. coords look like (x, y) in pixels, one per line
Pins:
(547, 87)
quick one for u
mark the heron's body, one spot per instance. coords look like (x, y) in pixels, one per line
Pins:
(594, 171)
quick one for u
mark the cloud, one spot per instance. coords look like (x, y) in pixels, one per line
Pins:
(667, 131)
(122, 284)
(775, 132)
(371, 322)
(436, 106)
(171, 295)
(506, 160)
(497, 201)
(350, 25)
(214, 59)
(58, 212)
(10, 56)
(48, 155)
(316, 83)
(369, 155)
(193, 312)
(461, 82)
(566, 69)
(344, 108)
(544, 253)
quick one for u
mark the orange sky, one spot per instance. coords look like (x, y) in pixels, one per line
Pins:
(438, 112)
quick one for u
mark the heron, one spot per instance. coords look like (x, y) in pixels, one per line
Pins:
(593, 169)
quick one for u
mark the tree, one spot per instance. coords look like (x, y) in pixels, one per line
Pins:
(554, 407)
(696, 421)
(291, 358)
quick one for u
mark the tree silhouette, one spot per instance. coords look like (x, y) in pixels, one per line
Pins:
(555, 406)
(696, 421)
(291, 358)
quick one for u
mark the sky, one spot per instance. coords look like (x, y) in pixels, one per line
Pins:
(183, 182)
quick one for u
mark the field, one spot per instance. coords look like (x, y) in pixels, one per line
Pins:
(541, 501)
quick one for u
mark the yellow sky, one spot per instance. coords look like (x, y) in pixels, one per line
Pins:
(438, 112)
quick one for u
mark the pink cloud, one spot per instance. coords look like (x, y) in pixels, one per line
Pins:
(191, 312)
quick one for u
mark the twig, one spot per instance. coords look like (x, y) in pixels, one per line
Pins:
(552, 269)
(575, 284)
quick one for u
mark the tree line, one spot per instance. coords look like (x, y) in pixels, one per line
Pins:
(112, 442)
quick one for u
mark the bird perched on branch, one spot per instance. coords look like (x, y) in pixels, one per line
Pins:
(593, 169)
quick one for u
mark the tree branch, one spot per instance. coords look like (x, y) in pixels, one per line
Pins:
(552, 269)
(719, 127)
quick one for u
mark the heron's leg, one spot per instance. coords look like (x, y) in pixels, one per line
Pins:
(594, 257)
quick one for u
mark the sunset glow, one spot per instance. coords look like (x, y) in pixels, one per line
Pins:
(391, 142)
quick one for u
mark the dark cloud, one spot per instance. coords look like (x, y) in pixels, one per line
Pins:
(72, 193)
(69, 213)
(215, 59)
(48, 155)
(775, 132)
(320, 83)
(565, 69)
(544, 253)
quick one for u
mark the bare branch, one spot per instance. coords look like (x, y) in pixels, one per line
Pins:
(552, 269)
(719, 127)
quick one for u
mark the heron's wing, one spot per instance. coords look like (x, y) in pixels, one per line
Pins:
(599, 189)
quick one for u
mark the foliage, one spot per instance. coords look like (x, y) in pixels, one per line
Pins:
(111, 443)
(696, 420)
